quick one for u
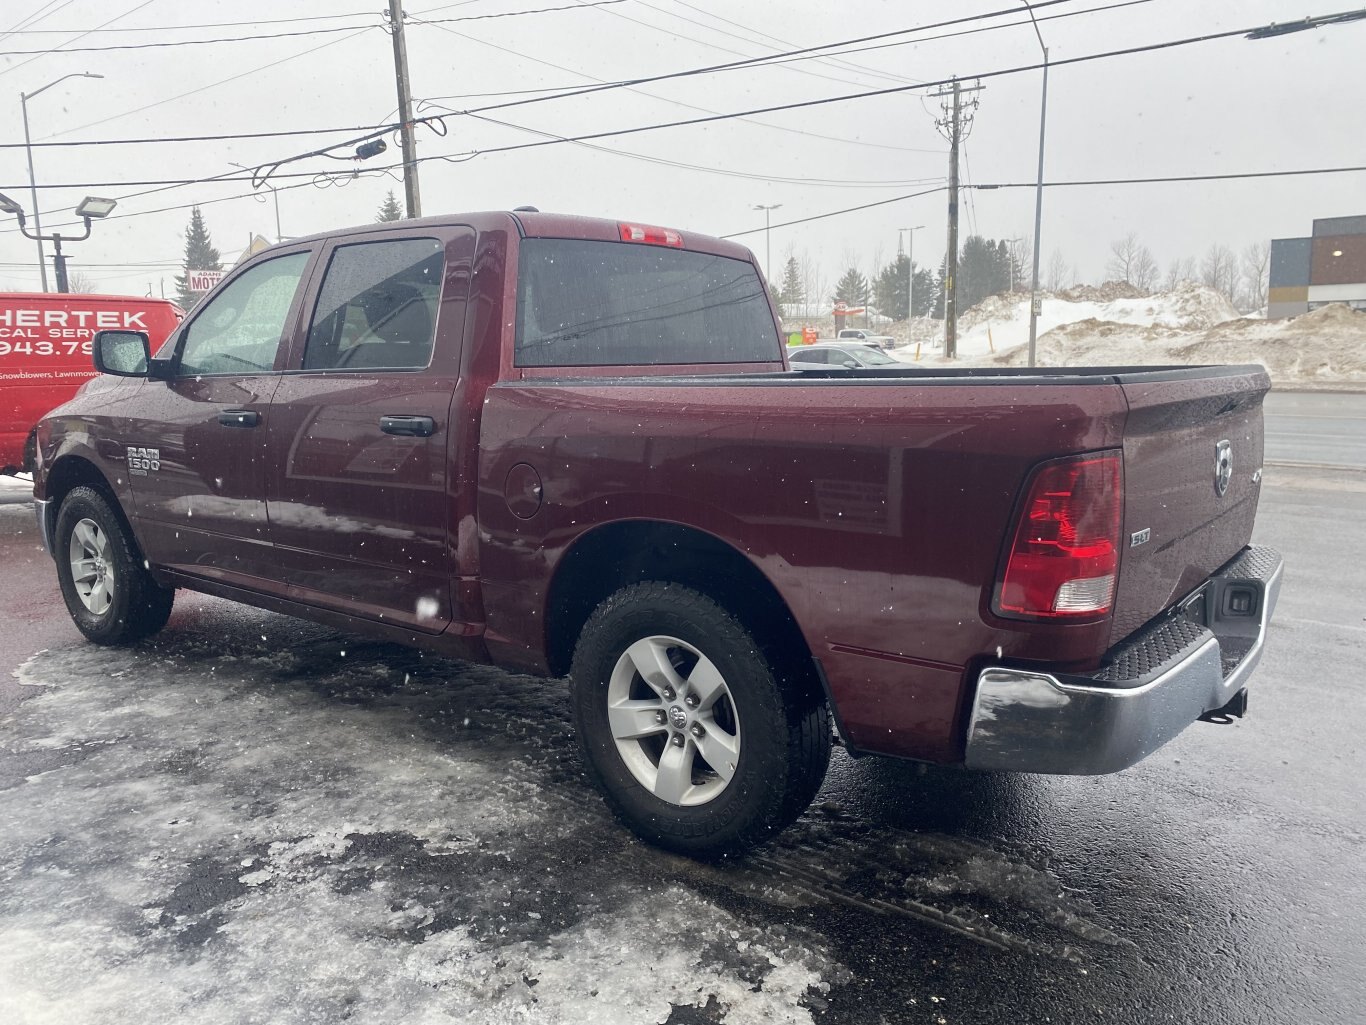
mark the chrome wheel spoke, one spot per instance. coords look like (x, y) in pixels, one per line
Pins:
(631, 720)
(674, 778)
(87, 535)
(83, 571)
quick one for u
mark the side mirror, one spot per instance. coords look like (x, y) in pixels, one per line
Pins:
(851, 364)
(121, 353)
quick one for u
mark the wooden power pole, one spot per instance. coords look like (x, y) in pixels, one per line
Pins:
(405, 111)
(955, 125)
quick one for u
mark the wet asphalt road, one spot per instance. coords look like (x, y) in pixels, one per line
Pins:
(303, 773)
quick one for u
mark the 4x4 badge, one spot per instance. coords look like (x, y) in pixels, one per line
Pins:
(1223, 466)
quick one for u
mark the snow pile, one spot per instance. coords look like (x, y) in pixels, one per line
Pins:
(1326, 347)
(1002, 321)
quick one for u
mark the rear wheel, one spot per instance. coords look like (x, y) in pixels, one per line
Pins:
(690, 734)
(109, 593)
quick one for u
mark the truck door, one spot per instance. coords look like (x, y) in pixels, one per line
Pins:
(196, 447)
(357, 461)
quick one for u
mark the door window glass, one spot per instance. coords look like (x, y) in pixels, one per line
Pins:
(377, 307)
(239, 330)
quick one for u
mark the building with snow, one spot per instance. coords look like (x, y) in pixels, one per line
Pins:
(1327, 267)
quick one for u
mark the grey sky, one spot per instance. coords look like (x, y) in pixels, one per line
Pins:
(1215, 107)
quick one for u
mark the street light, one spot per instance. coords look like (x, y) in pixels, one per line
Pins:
(32, 182)
(768, 244)
(90, 208)
(1038, 195)
(910, 273)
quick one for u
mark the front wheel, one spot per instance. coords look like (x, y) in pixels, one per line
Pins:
(108, 591)
(692, 737)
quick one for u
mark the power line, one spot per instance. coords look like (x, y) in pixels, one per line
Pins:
(683, 165)
(772, 58)
(300, 32)
(837, 213)
(800, 104)
(821, 101)
(185, 28)
(1162, 180)
(655, 96)
(211, 85)
(61, 47)
(1066, 184)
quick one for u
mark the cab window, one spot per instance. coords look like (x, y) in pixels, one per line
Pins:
(239, 330)
(377, 307)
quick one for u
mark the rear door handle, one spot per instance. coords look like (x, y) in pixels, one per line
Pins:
(239, 418)
(408, 426)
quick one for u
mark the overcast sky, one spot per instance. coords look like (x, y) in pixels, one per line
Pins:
(1233, 105)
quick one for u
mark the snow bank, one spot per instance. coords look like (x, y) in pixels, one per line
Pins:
(1100, 325)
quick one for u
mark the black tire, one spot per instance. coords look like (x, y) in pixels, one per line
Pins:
(781, 728)
(121, 603)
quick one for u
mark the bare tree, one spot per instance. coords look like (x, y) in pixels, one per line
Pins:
(81, 282)
(1131, 261)
(1179, 272)
(1056, 276)
(1256, 263)
(1144, 273)
(1219, 270)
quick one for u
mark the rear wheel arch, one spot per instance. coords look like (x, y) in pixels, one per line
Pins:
(617, 555)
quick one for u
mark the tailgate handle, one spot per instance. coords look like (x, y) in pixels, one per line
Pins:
(239, 418)
(408, 426)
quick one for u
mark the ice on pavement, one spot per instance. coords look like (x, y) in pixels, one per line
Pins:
(210, 833)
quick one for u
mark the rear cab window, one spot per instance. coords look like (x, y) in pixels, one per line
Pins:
(585, 303)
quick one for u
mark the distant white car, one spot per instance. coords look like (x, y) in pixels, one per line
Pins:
(852, 334)
(849, 356)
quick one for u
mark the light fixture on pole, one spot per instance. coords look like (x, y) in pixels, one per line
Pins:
(1038, 196)
(768, 244)
(910, 273)
(90, 208)
(32, 182)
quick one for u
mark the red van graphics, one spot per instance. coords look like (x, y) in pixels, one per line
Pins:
(45, 354)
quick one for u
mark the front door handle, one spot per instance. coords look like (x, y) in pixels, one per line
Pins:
(239, 418)
(408, 426)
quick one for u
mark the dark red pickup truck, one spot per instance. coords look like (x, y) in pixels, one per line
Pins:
(572, 447)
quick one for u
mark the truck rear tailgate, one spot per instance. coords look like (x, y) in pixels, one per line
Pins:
(1192, 475)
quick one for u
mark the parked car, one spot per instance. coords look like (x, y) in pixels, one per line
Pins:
(572, 447)
(855, 334)
(45, 354)
(850, 356)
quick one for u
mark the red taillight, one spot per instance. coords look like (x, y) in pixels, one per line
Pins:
(650, 235)
(1065, 557)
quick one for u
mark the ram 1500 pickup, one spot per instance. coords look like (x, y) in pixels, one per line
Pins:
(572, 447)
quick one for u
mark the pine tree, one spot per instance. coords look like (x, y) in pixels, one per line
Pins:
(199, 255)
(792, 291)
(852, 288)
(390, 210)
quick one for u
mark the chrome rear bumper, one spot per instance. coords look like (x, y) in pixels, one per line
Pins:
(1153, 686)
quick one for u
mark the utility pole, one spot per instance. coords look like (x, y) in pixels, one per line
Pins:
(405, 111)
(955, 126)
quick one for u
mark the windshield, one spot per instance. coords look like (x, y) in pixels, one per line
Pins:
(582, 303)
(874, 358)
